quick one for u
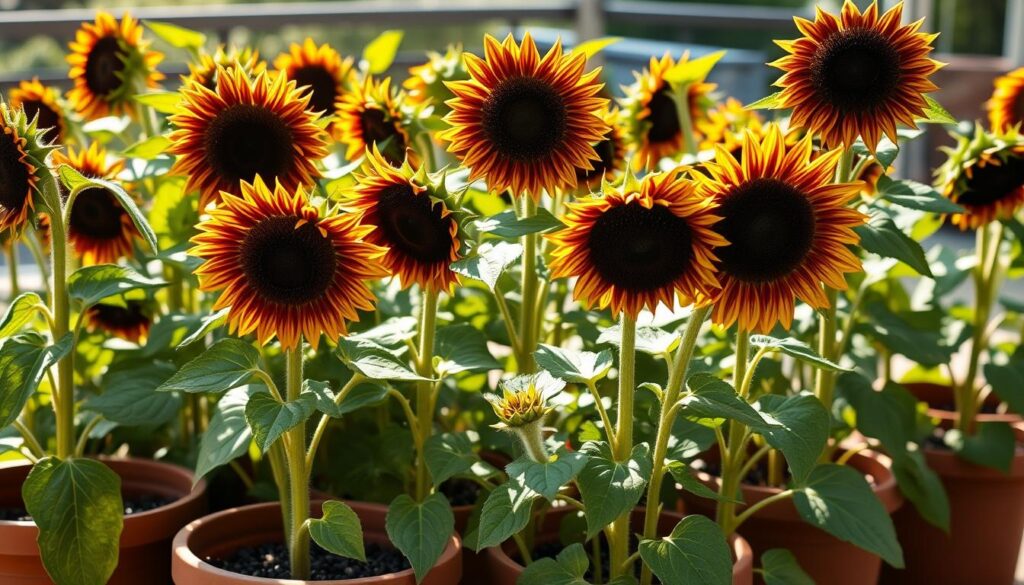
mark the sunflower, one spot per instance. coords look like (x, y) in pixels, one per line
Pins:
(320, 72)
(23, 152)
(110, 63)
(1006, 107)
(984, 174)
(204, 72)
(40, 103)
(645, 242)
(787, 225)
(371, 115)
(100, 230)
(652, 120)
(523, 122)
(427, 82)
(244, 129)
(129, 321)
(856, 74)
(724, 125)
(611, 150)
(283, 268)
(413, 216)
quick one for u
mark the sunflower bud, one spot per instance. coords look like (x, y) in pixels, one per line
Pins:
(519, 408)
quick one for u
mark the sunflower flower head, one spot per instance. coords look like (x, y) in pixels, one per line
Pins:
(427, 82)
(523, 400)
(247, 127)
(611, 151)
(372, 115)
(725, 124)
(321, 72)
(788, 227)
(41, 103)
(525, 122)
(204, 70)
(110, 62)
(984, 174)
(1006, 107)
(856, 74)
(284, 269)
(24, 149)
(129, 320)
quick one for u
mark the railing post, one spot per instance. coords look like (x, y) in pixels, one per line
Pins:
(590, 24)
(1013, 37)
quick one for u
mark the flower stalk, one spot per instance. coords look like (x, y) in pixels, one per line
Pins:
(424, 389)
(620, 530)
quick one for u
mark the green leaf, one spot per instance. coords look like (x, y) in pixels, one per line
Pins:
(506, 511)
(795, 348)
(130, 398)
(447, 455)
(837, 499)
(92, 284)
(507, 225)
(885, 151)
(548, 477)
(568, 568)
(904, 337)
(695, 552)
(594, 46)
(649, 340)
(24, 360)
(394, 331)
(73, 179)
(771, 102)
(420, 530)
(323, 397)
(802, 430)
(683, 476)
(176, 36)
(693, 71)
(889, 415)
(380, 53)
(1007, 382)
(462, 348)
(165, 102)
(781, 568)
(572, 365)
(934, 112)
(149, 148)
(228, 436)
(711, 398)
(269, 419)
(77, 506)
(227, 364)
(339, 531)
(366, 394)
(923, 487)
(19, 313)
(374, 361)
(208, 324)
(881, 236)
(992, 445)
(489, 262)
(610, 488)
(914, 195)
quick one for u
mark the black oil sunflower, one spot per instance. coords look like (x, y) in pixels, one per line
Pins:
(413, 226)
(246, 140)
(770, 229)
(102, 68)
(640, 249)
(991, 183)
(322, 86)
(664, 117)
(14, 175)
(117, 318)
(285, 264)
(525, 118)
(856, 71)
(96, 214)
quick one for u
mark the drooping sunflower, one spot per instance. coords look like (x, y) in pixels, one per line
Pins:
(371, 115)
(100, 230)
(414, 217)
(40, 103)
(23, 152)
(857, 74)
(787, 225)
(649, 110)
(427, 82)
(523, 122)
(204, 71)
(611, 151)
(1006, 106)
(130, 321)
(110, 62)
(245, 128)
(284, 269)
(984, 174)
(320, 72)
(645, 242)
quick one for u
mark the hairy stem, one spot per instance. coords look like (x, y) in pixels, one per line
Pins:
(624, 438)
(424, 390)
(298, 551)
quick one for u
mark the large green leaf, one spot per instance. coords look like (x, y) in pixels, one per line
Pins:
(991, 445)
(795, 348)
(507, 225)
(77, 506)
(149, 148)
(610, 488)
(650, 340)
(489, 262)
(711, 398)
(1007, 381)
(447, 455)
(897, 332)
(24, 360)
(165, 102)
(92, 284)
(420, 529)
(74, 179)
(923, 487)
(269, 419)
(339, 531)
(780, 568)
(573, 365)
(462, 348)
(934, 112)
(380, 53)
(798, 426)
(374, 361)
(228, 436)
(548, 477)
(691, 71)
(394, 331)
(695, 552)
(19, 313)
(684, 477)
(227, 364)
(505, 512)
(207, 324)
(837, 499)
(177, 36)
(130, 397)
(881, 236)
(568, 568)
(914, 195)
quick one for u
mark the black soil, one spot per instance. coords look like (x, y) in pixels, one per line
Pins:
(132, 505)
(271, 561)
(460, 492)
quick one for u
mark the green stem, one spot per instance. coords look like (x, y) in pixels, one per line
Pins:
(64, 393)
(30, 440)
(12, 267)
(44, 266)
(527, 338)
(532, 437)
(609, 430)
(785, 494)
(624, 438)
(321, 426)
(733, 459)
(298, 551)
(424, 390)
(986, 274)
(681, 94)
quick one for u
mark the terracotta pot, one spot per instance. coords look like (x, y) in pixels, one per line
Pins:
(503, 569)
(940, 400)
(223, 533)
(825, 558)
(145, 540)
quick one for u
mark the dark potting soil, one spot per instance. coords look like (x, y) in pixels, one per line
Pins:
(460, 492)
(132, 505)
(271, 561)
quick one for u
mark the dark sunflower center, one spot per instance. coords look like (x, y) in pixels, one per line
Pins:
(47, 117)
(288, 265)
(525, 118)
(103, 66)
(991, 183)
(246, 140)
(640, 249)
(97, 214)
(856, 70)
(770, 228)
(1018, 110)
(606, 150)
(664, 117)
(414, 227)
(115, 317)
(321, 84)
(14, 175)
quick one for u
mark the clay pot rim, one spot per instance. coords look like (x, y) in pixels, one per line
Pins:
(198, 488)
(926, 392)
(183, 553)
(946, 463)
